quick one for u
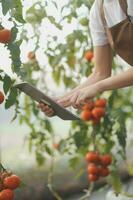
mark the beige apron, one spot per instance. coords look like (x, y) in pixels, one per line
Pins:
(120, 36)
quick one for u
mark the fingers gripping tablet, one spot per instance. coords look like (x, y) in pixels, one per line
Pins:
(38, 96)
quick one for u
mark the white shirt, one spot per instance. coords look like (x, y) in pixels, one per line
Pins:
(113, 14)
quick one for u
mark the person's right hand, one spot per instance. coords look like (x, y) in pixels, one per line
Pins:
(46, 109)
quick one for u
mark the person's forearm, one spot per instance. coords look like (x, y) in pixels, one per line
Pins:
(92, 79)
(122, 80)
(102, 65)
(102, 68)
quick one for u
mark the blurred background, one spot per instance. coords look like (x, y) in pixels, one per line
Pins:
(48, 154)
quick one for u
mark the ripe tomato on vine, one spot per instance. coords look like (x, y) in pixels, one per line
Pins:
(1, 97)
(97, 165)
(5, 36)
(94, 111)
(8, 183)
(86, 115)
(89, 55)
(6, 194)
(11, 182)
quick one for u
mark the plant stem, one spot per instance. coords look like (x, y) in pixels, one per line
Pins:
(94, 139)
(50, 178)
(2, 168)
(55, 194)
(88, 193)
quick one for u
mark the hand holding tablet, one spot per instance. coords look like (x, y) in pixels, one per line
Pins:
(38, 96)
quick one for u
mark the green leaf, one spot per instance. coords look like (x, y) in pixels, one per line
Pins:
(35, 109)
(35, 16)
(1, 70)
(71, 60)
(80, 138)
(84, 21)
(39, 158)
(48, 126)
(1, 79)
(80, 173)
(14, 49)
(119, 127)
(11, 98)
(7, 83)
(14, 32)
(73, 162)
(55, 4)
(52, 20)
(115, 181)
(48, 150)
(68, 81)
(6, 6)
(57, 75)
(18, 15)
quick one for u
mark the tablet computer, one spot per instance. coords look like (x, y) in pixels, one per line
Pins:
(39, 96)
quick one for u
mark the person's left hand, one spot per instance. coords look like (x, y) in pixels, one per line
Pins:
(80, 97)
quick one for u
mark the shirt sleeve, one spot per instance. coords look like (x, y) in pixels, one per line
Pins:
(97, 30)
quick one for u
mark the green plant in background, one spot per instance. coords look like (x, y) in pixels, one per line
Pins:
(67, 62)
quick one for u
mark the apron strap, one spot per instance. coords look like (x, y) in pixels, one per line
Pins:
(123, 4)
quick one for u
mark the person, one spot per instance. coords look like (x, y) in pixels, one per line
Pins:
(111, 26)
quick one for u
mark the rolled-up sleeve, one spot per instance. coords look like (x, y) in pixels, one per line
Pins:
(97, 30)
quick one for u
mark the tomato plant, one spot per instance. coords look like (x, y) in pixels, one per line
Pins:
(104, 122)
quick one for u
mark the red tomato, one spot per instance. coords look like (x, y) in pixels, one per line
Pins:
(104, 171)
(92, 157)
(106, 160)
(93, 178)
(95, 121)
(93, 169)
(12, 182)
(88, 106)
(86, 115)
(5, 36)
(6, 194)
(98, 112)
(89, 55)
(1, 97)
(100, 103)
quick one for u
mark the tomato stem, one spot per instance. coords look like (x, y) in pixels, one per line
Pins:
(94, 139)
(50, 177)
(2, 168)
(88, 192)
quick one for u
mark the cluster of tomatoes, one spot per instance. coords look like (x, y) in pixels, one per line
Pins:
(5, 36)
(8, 183)
(94, 111)
(97, 165)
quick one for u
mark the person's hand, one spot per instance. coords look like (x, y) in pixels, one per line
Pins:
(81, 96)
(46, 109)
(65, 100)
